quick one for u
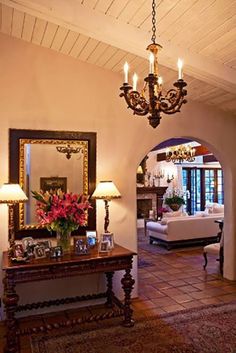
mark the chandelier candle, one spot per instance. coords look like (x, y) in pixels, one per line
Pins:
(180, 67)
(135, 80)
(152, 101)
(126, 71)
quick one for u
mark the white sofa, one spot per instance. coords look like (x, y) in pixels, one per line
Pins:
(175, 231)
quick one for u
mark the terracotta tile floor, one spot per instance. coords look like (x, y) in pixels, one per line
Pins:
(168, 281)
(175, 280)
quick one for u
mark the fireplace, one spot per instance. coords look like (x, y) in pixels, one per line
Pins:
(149, 198)
(143, 208)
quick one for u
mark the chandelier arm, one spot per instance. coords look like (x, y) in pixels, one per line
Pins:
(135, 101)
(173, 100)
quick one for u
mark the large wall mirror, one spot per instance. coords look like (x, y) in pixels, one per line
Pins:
(50, 160)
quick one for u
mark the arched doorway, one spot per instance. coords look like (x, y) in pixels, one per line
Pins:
(229, 270)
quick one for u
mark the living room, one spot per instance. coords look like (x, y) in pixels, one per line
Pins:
(46, 89)
(186, 174)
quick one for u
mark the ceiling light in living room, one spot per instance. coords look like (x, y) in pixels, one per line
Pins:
(181, 153)
(152, 100)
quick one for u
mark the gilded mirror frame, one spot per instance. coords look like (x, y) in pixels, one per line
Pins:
(17, 140)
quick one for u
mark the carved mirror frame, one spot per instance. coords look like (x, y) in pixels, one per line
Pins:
(17, 139)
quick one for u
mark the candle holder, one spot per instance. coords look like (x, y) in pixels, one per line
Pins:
(170, 179)
(158, 177)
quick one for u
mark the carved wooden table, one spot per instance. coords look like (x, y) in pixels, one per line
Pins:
(66, 266)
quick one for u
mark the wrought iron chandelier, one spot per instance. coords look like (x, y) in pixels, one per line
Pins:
(68, 150)
(152, 100)
(180, 154)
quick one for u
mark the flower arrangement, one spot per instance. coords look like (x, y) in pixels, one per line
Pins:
(61, 212)
(174, 197)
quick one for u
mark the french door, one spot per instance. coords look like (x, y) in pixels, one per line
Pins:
(202, 185)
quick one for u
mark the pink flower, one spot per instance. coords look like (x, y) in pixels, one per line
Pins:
(62, 210)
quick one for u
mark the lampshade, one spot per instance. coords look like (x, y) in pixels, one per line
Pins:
(12, 193)
(106, 190)
(140, 170)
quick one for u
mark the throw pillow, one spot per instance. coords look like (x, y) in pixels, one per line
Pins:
(218, 209)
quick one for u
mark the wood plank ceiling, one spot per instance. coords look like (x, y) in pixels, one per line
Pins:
(205, 28)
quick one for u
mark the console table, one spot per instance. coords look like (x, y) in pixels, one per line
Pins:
(68, 265)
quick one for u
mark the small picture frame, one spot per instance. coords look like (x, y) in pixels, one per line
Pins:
(104, 246)
(108, 237)
(56, 251)
(91, 237)
(18, 252)
(39, 251)
(47, 245)
(27, 243)
(81, 245)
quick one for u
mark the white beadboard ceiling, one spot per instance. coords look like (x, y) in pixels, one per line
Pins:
(109, 32)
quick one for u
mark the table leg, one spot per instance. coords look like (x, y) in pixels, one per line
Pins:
(109, 292)
(127, 284)
(10, 300)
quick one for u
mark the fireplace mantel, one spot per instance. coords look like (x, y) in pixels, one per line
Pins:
(159, 190)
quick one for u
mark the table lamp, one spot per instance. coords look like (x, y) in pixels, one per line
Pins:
(11, 194)
(106, 190)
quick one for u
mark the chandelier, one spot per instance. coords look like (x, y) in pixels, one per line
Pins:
(68, 150)
(152, 100)
(180, 154)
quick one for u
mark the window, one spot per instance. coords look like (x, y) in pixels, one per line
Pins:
(204, 185)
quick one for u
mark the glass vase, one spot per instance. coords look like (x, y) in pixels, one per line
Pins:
(64, 240)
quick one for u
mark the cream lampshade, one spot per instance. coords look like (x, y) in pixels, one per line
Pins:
(11, 194)
(140, 170)
(106, 190)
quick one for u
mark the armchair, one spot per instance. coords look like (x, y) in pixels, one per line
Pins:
(215, 249)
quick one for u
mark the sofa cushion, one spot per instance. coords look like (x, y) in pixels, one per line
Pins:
(157, 227)
(218, 209)
(172, 214)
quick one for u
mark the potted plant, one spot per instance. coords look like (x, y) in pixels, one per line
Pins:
(174, 199)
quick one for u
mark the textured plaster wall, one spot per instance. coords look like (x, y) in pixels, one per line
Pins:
(41, 89)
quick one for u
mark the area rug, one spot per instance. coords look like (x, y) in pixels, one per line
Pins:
(144, 263)
(210, 329)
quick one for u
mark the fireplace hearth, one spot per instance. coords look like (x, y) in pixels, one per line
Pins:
(143, 208)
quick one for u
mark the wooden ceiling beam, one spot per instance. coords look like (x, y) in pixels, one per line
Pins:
(209, 158)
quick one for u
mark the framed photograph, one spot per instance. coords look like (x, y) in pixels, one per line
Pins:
(91, 237)
(104, 246)
(56, 251)
(108, 237)
(53, 184)
(18, 251)
(27, 243)
(81, 245)
(47, 245)
(39, 251)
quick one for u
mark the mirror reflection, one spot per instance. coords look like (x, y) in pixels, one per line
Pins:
(49, 165)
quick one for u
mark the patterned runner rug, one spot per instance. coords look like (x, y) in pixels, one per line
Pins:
(209, 329)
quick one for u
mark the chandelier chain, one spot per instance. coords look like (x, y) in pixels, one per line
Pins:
(153, 22)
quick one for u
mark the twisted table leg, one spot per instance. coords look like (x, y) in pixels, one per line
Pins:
(127, 284)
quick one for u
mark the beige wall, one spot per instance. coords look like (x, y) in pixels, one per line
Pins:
(41, 89)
